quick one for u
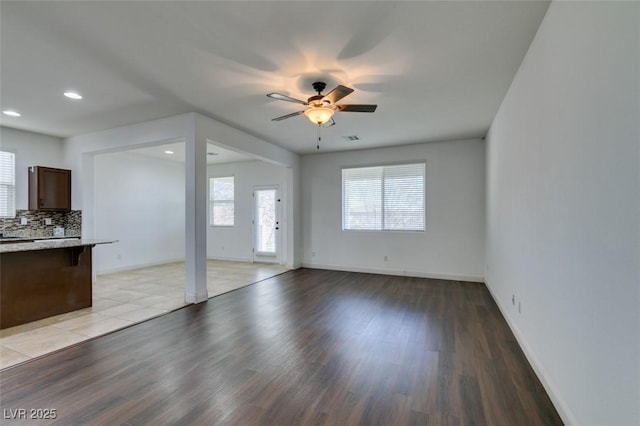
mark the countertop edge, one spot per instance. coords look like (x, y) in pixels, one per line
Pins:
(47, 245)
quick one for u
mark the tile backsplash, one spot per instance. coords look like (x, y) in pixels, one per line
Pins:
(71, 221)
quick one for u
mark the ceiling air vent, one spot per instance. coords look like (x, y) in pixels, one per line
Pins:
(351, 138)
(212, 153)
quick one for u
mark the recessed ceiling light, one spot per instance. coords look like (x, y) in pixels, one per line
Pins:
(168, 152)
(73, 95)
(11, 112)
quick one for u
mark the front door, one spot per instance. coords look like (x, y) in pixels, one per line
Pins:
(266, 224)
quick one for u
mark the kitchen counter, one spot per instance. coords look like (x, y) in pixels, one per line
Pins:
(52, 243)
(43, 278)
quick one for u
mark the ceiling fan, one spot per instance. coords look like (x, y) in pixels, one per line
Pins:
(320, 108)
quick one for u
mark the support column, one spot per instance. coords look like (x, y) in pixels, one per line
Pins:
(195, 216)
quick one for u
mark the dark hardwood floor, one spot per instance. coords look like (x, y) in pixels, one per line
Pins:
(305, 347)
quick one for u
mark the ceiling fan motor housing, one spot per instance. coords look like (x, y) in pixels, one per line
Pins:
(318, 100)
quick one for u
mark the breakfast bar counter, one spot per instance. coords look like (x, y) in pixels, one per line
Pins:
(44, 278)
(51, 243)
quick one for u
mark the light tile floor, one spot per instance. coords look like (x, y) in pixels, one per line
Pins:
(123, 299)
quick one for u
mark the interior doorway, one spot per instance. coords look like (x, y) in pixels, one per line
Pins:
(266, 223)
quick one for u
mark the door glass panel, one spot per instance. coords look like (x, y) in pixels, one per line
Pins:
(266, 221)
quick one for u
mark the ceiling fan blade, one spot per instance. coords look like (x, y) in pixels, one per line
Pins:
(329, 123)
(357, 108)
(282, 97)
(293, 114)
(336, 94)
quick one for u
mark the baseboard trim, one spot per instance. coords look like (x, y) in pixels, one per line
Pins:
(148, 265)
(230, 259)
(195, 297)
(561, 406)
(137, 266)
(402, 273)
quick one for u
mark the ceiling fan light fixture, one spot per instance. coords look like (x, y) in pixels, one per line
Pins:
(319, 114)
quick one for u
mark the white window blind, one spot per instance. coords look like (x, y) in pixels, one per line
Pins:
(222, 199)
(384, 198)
(7, 184)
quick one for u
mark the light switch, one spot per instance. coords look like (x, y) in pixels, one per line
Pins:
(47, 221)
(23, 221)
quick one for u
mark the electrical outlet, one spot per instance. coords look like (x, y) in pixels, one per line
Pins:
(23, 221)
(519, 307)
(386, 258)
(313, 254)
(47, 221)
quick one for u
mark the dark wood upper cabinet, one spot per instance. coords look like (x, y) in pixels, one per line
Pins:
(49, 188)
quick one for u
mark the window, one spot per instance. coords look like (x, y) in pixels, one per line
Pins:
(383, 198)
(7, 184)
(221, 197)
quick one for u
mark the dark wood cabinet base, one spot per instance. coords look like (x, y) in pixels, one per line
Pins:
(42, 283)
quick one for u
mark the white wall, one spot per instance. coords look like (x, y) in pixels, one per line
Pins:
(140, 202)
(196, 131)
(239, 141)
(31, 149)
(563, 216)
(235, 243)
(452, 245)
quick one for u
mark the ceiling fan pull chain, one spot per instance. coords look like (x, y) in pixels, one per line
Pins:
(318, 136)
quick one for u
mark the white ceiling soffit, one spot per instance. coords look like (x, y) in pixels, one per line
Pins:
(175, 152)
(438, 70)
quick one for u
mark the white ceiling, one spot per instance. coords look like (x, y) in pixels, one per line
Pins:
(215, 154)
(438, 70)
